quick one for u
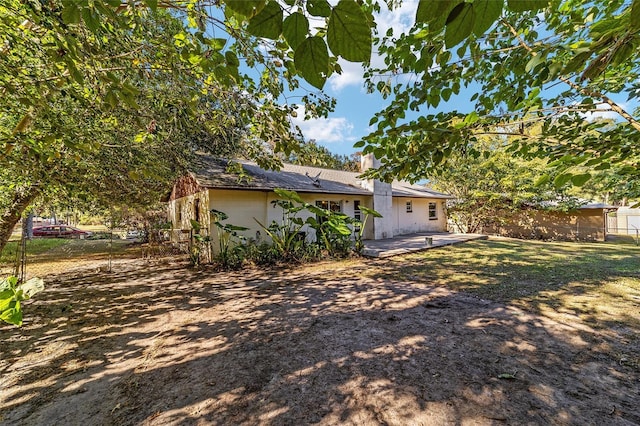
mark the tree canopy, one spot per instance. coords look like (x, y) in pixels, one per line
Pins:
(538, 72)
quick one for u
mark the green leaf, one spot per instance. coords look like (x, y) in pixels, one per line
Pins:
(534, 62)
(268, 22)
(541, 180)
(577, 62)
(369, 211)
(217, 43)
(579, 180)
(90, 19)
(231, 58)
(312, 61)
(152, 4)
(348, 32)
(245, 7)
(524, 5)
(288, 195)
(635, 16)
(459, 24)
(471, 118)
(486, 13)
(561, 180)
(70, 12)
(435, 13)
(295, 29)
(13, 314)
(319, 8)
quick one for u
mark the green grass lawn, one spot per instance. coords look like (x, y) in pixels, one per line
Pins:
(36, 246)
(598, 282)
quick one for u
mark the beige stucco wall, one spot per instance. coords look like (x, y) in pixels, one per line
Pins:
(418, 219)
(243, 206)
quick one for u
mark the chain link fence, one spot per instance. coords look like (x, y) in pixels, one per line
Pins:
(41, 257)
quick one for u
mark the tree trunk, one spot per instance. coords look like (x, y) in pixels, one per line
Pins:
(22, 198)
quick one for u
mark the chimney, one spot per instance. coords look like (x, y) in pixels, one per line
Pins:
(382, 199)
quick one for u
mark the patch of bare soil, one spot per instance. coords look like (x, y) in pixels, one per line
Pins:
(158, 343)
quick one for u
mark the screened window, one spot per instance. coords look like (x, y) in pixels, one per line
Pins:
(433, 211)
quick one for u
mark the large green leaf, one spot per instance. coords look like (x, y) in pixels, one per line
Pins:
(369, 211)
(486, 13)
(312, 61)
(268, 22)
(152, 4)
(435, 13)
(70, 12)
(348, 32)
(459, 24)
(524, 5)
(581, 179)
(245, 7)
(562, 179)
(319, 8)
(13, 314)
(295, 29)
(288, 195)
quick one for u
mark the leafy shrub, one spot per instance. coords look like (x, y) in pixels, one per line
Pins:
(12, 293)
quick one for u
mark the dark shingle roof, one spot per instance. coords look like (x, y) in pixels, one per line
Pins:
(213, 173)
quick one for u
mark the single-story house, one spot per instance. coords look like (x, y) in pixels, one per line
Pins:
(246, 197)
(585, 223)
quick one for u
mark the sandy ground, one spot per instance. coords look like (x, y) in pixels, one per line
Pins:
(157, 343)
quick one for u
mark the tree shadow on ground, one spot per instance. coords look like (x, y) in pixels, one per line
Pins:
(535, 275)
(330, 344)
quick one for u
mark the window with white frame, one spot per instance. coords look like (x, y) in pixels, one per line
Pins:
(433, 211)
(409, 206)
(357, 215)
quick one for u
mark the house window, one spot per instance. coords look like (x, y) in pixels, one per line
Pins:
(357, 215)
(178, 214)
(433, 211)
(409, 206)
(333, 206)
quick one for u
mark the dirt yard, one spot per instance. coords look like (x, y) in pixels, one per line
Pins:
(351, 342)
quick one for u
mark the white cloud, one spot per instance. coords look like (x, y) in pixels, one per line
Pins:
(325, 130)
(351, 75)
(603, 111)
(400, 19)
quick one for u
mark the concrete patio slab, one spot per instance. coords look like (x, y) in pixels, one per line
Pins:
(415, 242)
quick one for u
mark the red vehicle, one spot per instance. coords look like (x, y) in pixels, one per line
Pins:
(60, 231)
